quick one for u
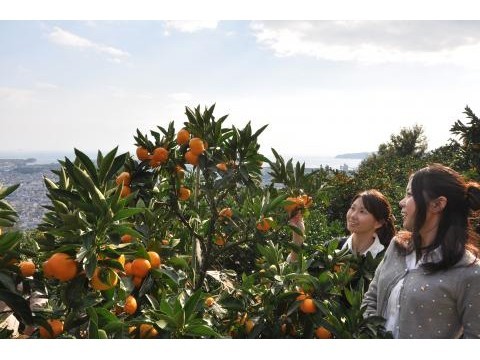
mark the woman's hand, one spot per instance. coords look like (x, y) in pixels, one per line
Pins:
(297, 221)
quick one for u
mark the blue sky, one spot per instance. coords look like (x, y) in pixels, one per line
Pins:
(324, 87)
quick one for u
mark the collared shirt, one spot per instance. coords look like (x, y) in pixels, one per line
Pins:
(374, 249)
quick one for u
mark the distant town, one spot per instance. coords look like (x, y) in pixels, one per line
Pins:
(31, 195)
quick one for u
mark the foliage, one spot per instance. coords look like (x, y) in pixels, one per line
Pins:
(195, 199)
(12, 299)
(469, 148)
(409, 142)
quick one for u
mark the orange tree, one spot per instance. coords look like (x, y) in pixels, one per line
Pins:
(183, 239)
(318, 296)
(15, 279)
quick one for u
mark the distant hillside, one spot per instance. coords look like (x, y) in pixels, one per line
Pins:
(360, 155)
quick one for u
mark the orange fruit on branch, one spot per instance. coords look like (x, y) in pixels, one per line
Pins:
(209, 301)
(125, 191)
(128, 268)
(226, 212)
(265, 224)
(154, 259)
(57, 329)
(160, 155)
(180, 172)
(249, 325)
(27, 268)
(191, 158)
(222, 166)
(183, 193)
(47, 270)
(142, 153)
(124, 178)
(62, 266)
(220, 241)
(140, 267)
(323, 333)
(130, 306)
(183, 136)
(307, 306)
(104, 279)
(197, 147)
(147, 331)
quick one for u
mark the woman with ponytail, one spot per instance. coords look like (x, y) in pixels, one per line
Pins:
(428, 283)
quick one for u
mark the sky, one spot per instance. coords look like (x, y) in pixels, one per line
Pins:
(323, 87)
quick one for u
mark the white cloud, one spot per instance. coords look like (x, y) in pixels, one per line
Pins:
(181, 96)
(371, 42)
(46, 86)
(122, 93)
(65, 38)
(190, 26)
(15, 96)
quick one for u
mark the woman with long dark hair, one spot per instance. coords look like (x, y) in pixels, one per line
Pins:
(428, 283)
(369, 220)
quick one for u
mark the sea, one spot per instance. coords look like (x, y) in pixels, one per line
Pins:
(311, 161)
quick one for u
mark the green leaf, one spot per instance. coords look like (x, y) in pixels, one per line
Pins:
(6, 223)
(126, 229)
(90, 264)
(5, 191)
(88, 164)
(106, 165)
(170, 273)
(92, 324)
(117, 164)
(105, 316)
(191, 304)
(201, 330)
(165, 307)
(126, 213)
(172, 323)
(95, 194)
(7, 281)
(276, 202)
(18, 304)
(9, 241)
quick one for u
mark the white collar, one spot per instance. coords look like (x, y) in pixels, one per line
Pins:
(374, 249)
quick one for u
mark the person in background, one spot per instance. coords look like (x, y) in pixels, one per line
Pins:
(369, 220)
(428, 283)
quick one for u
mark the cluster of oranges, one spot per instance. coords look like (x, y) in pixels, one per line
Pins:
(124, 179)
(224, 215)
(196, 148)
(298, 203)
(139, 268)
(265, 224)
(158, 156)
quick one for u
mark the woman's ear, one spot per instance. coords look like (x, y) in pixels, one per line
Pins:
(438, 205)
(379, 224)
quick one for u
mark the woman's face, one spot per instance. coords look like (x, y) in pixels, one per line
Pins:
(407, 204)
(359, 220)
